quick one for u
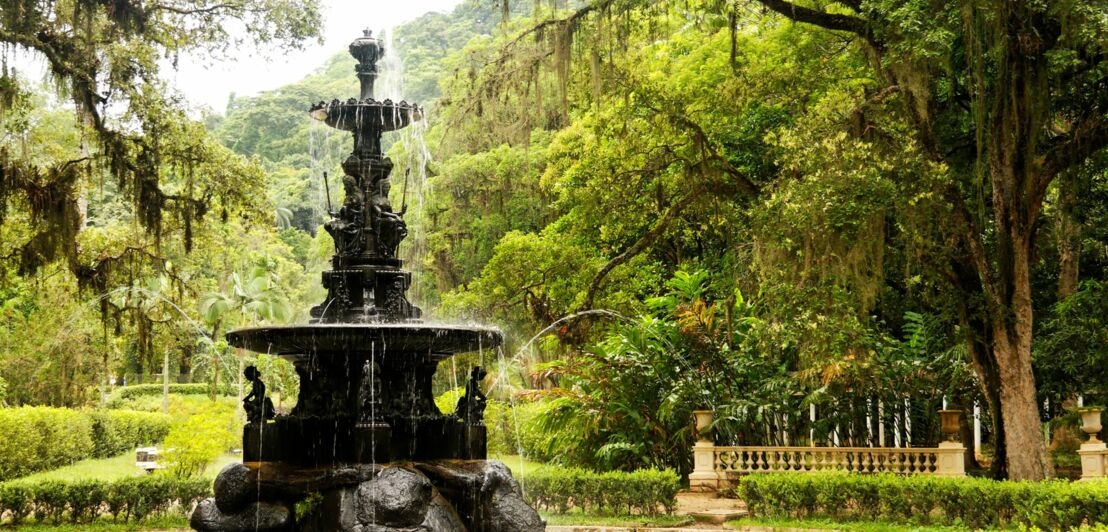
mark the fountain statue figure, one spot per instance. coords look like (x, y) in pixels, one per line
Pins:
(365, 433)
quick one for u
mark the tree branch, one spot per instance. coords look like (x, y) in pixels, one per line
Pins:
(831, 21)
(643, 242)
(196, 11)
(1085, 138)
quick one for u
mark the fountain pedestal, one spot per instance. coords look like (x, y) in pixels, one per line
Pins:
(366, 448)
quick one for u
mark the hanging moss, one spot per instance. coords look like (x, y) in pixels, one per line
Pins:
(51, 201)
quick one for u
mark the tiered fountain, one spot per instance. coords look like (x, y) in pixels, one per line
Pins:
(366, 448)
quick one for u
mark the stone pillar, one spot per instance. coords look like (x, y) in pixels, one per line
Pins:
(1093, 453)
(704, 476)
(951, 461)
(951, 455)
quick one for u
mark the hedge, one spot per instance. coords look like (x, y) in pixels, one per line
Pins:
(119, 395)
(973, 502)
(119, 431)
(82, 501)
(645, 491)
(39, 438)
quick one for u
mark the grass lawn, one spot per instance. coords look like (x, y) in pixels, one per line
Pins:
(581, 518)
(117, 467)
(851, 526)
(519, 466)
(166, 523)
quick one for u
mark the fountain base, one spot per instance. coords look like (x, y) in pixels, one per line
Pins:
(324, 441)
(442, 496)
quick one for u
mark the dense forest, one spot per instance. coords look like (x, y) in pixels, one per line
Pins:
(871, 207)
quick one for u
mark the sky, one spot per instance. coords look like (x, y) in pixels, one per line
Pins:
(246, 74)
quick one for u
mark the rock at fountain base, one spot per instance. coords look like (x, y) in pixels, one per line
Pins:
(485, 495)
(399, 499)
(254, 517)
(439, 496)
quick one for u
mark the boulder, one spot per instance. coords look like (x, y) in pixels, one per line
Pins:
(484, 494)
(235, 488)
(397, 499)
(256, 517)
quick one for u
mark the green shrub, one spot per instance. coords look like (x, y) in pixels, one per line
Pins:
(973, 502)
(40, 438)
(646, 491)
(81, 501)
(194, 443)
(119, 431)
(120, 395)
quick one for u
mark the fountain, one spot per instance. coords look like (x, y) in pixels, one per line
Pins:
(365, 447)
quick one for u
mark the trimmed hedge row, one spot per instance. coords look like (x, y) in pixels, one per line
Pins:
(37, 438)
(646, 491)
(118, 431)
(82, 501)
(116, 398)
(973, 502)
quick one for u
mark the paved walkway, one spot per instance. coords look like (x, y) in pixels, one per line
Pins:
(709, 508)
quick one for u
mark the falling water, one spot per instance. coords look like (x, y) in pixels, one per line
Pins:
(410, 154)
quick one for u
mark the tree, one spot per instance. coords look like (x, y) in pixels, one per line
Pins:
(105, 57)
(1003, 91)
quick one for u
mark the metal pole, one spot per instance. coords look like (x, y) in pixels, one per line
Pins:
(907, 422)
(812, 427)
(165, 383)
(977, 428)
(880, 423)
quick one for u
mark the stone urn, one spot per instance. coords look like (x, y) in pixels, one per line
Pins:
(1090, 421)
(703, 422)
(951, 423)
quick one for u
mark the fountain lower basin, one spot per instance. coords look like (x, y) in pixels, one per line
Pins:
(295, 342)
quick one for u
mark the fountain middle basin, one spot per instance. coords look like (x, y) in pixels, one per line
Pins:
(295, 342)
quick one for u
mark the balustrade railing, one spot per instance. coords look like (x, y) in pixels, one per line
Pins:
(719, 466)
(806, 459)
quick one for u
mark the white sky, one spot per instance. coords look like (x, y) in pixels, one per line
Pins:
(247, 73)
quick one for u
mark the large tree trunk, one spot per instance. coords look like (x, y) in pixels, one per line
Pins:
(1026, 454)
(1017, 116)
(1067, 235)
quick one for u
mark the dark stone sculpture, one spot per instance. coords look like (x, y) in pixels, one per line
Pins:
(258, 406)
(471, 406)
(366, 363)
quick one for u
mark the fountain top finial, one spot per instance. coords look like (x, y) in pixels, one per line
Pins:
(367, 49)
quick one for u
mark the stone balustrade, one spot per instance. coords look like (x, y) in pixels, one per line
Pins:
(716, 467)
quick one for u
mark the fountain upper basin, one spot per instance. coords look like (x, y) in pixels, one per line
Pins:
(357, 115)
(443, 340)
